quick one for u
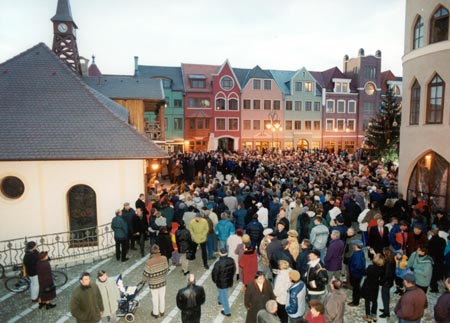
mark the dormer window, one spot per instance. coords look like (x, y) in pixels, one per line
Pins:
(198, 81)
(167, 83)
(341, 85)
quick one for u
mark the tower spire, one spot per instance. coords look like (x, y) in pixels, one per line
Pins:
(64, 36)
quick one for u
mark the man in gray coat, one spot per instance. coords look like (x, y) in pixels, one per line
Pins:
(334, 302)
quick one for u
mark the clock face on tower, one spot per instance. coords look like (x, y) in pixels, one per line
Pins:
(62, 27)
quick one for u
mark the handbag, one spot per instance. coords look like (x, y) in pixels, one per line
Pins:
(190, 252)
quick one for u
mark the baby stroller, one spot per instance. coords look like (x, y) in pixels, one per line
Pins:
(127, 302)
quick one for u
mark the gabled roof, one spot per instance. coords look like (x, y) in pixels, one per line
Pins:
(127, 87)
(198, 69)
(241, 74)
(169, 72)
(48, 113)
(325, 78)
(244, 74)
(258, 73)
(227, 62)
(63, 12)
(283, 78)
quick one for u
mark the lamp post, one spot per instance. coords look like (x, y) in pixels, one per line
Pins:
(342, 132)
(274, 125)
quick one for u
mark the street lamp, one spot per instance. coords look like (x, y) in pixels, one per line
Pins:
(342, 132)
(274, 125)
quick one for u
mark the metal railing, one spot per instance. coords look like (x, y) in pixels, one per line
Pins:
(61, 247)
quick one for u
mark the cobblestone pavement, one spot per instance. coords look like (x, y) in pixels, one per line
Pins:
(18, 307)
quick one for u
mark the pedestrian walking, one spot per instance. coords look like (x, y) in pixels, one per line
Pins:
(183, 240)
(86, 305)
(155, 273)
(189, 301)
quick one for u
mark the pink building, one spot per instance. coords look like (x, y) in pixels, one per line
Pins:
(262, 116)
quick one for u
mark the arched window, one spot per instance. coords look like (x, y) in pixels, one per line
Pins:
(220, 104)
(439, 26)
(430, 178)
(302, 144)
(435, 102)
(82, 202)
(232, 104)
(418, 33)
(415, 104)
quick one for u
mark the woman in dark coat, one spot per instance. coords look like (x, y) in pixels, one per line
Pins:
(371, 285)
(258, 292)
(388, 280)
(183, 239)
(165, 243)
(47, 290)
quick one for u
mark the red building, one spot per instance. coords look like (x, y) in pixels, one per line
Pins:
(226, 90)
(198, 105)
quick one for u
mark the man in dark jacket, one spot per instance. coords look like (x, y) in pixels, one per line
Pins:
(378, 237)
(189, 301)
(222, 275)
(140, 204)
(120, 228)
(302, 259)
(412, 304)
(357, 268)
(255, 230)
(86, 304)
(442, 307)
(128, 214)
(30, 261)
(140, 229)
(316, 276)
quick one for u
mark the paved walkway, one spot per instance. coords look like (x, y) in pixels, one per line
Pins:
(18, 307)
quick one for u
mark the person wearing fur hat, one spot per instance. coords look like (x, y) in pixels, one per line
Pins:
(155, 272)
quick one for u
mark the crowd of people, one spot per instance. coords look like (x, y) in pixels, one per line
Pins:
(296, 229)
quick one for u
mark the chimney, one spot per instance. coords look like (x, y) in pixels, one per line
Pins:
(378, 53)
(345, 63)
(136, 65)
(361, 52)
(84, 64)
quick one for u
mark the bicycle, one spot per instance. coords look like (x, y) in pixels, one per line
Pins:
(2, 271)
(20, 284)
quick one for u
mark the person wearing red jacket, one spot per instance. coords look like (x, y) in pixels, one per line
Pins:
(248, 263)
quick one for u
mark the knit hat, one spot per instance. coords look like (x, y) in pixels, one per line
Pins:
(239, 232)
(294, 275)
(409, 277)
(358, 243)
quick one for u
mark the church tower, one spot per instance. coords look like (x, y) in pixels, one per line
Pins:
(64, 36)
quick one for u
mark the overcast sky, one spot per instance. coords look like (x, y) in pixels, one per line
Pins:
(282, 34)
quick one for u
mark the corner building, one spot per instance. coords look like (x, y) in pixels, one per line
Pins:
(425, 129)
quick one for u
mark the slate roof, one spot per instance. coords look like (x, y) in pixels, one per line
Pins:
(172, 73)
(283, 78)
(127, 87)
(63, 12)
(244, 74)
(325, 79)
(241, 74)
(48, 113)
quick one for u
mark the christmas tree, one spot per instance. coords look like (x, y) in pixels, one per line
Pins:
(383, 134)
